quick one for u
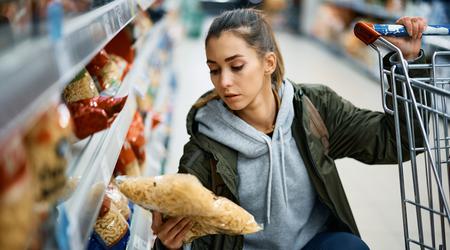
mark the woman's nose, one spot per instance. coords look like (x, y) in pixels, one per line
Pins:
(226, 79)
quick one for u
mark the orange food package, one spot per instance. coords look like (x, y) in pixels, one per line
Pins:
(47, 144)
(136, 137)
(17, 221)
(127, 164)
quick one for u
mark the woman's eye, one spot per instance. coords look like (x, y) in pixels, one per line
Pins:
(237, 68)
(214, 71)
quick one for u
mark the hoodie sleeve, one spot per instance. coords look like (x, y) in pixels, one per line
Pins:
(364, 135)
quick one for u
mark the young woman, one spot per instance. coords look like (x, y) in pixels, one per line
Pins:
(254, 141)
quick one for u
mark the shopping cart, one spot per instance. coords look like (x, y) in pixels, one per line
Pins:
(420, 105)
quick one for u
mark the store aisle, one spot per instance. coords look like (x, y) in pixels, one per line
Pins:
(373, 191)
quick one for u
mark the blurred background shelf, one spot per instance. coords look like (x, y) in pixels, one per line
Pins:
(441, 43)
(38, 68)
(364, 8)
(331, 22)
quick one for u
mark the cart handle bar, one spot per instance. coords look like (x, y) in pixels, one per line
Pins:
(369, 33)
(366, 33)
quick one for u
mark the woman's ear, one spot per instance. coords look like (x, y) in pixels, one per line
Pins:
(270, 63)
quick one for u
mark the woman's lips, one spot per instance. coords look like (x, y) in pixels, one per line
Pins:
(232, 97)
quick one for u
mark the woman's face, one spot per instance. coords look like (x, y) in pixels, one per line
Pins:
(236, 70)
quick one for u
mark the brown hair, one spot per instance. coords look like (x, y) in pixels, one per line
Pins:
(252, 26)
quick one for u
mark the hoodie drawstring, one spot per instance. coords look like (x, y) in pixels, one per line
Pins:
(283, 168)
(269, 183)
(283, 176)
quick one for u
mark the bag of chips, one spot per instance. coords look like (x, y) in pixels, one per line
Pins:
(104, 70)
(183, 195)
(95, 114)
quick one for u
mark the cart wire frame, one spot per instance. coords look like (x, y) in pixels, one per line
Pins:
(424, 104)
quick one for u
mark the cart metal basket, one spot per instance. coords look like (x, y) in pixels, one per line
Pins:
(421, 109)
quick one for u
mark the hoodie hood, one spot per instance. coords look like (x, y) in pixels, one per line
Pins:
(218, 123)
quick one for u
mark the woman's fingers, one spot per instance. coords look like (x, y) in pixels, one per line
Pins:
(406, 21)
(415, 26)
(156, 222)
(171, 229)
(182, 234)
(179, 227)
(167, 227)
(422, 26)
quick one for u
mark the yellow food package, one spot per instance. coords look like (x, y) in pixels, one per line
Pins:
(183, 195)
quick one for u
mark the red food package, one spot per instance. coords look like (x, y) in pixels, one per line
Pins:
(127, 163)
(112, 105)
(156, 120)
(136, 137)
(95, 114)
(88, 120)
(122, 45)
(98, 62)
(105, 70)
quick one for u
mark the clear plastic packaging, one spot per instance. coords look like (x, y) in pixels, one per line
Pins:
(183, 195)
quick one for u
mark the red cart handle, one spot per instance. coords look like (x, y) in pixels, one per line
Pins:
(365, 32)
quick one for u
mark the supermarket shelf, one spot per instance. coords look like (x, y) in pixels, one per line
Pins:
(152, 39)
(373, 10)
(95, 168)
(96, 163)
(39, 68)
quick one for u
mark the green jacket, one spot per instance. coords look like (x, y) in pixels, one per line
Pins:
(361, 134)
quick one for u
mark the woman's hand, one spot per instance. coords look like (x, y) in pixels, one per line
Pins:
(172, 231)
(410, 46)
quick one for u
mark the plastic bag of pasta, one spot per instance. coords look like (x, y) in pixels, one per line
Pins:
(183, 195)
(81, 87)
(111, 229)
(118, 200)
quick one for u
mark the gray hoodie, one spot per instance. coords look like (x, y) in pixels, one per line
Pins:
(273, 183)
